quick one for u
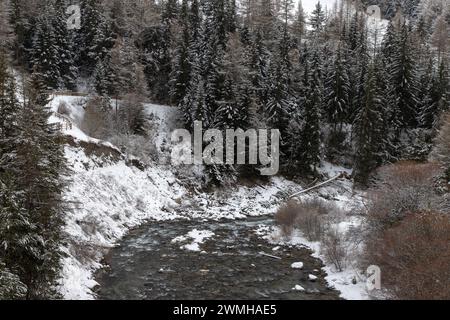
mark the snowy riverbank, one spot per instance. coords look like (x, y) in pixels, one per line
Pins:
(110, 197)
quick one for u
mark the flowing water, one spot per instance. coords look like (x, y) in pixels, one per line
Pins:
(148, 265)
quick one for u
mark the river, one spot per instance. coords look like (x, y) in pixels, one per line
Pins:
(149, 265)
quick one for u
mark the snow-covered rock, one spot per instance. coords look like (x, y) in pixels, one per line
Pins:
(299, 288)
(297, 265)
(312, 278)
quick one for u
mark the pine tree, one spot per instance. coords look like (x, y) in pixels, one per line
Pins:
(428, 108)
(369, 128)
(94, 36)
(207, 85)
(264, 19)
(259, 72)
(13, 219)
(22, 21)
(357, 60)
(20, 243)
(103, 78)
(170, 11)
(9, 113)
(6, 34)
(299, 27)
(337, 99)
(181, 73)
(404, 78)
(317, 20)
(65, 44)
(310, 137)
(132, 119)
(40, 158)
(234, 109)
(45, 51)
(280, 98)
(25, 245)
(231, 16)
(11, 288)
(220, 22)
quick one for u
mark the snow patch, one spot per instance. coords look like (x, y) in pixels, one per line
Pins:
(297, 265)
(299, 288)
(108, 201)
(196, 236)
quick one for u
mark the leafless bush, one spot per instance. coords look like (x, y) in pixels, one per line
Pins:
(403, 188)
(140, 147)
(309, 216)
(311, 219)
(286, 216)
(414, 257)
(97, 118)
(335, 248)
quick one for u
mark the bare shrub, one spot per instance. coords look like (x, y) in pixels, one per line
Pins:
(403, 188)
(414, 257)
(311, 219)
(335, 248)
(286, 216)
(97, 118)
(138, 146)
(309, 216)
(63, 108)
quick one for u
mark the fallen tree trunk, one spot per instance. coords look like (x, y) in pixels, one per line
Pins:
(316, 186)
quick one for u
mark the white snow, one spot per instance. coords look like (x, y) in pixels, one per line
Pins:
(312, 278)
(342, 281)
(109, 198)
(297, 265)
(108, 201)
(197, 237)
(342, 195)
(71, 122)
(298, 288)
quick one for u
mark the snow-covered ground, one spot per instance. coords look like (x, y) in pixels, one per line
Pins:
(110, 197)
(108, 202)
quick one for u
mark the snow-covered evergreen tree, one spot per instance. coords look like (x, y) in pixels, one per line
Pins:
(399, 51)
(41, 163)
(181, 72)
(337, 98)
(310, 136)
(45, 51)
(94, 37)
(369, 127)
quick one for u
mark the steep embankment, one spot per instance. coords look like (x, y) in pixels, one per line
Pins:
(112, 193)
